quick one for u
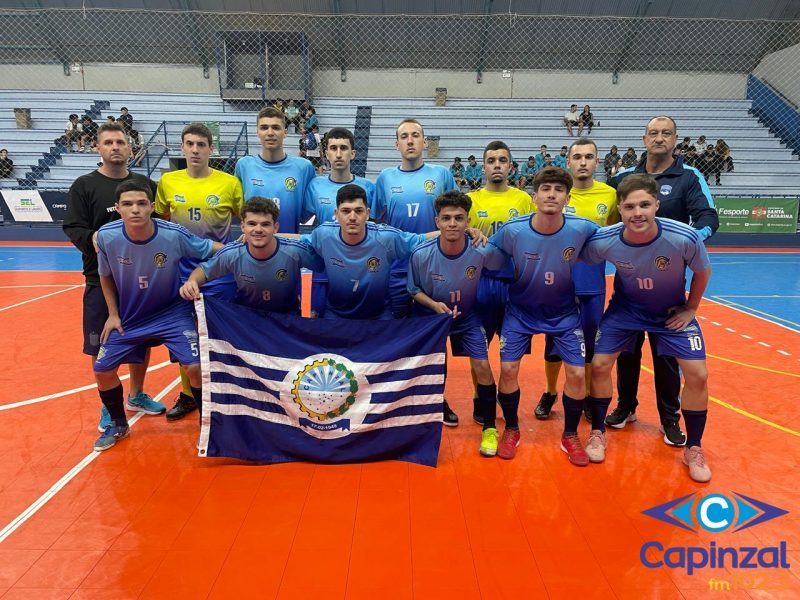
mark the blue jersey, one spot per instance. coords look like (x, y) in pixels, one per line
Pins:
(358, 275)
(543, 294)
(268, 284)
(146, 273)
(320, 198)
(560, 161)
(473, 172)
(451, 279)
(650, 278)
(404, 199)
(285, 181)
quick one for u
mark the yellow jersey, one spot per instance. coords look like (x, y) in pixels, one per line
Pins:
(595, 203)
(491, 210)
(205, 206)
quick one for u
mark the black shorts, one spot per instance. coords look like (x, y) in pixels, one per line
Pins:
(95, 315)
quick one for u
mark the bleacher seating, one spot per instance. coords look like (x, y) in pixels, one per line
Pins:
(764, 166)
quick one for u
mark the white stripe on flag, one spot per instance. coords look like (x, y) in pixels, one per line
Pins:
(404, 384)
(244, 373)
(235, 390)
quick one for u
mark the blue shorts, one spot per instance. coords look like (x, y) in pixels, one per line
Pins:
(399, 298)
(618, 332)
(516, 336)
(319, 296)
(591, 308)
(175, 328)
(469, 341)
(491, 304)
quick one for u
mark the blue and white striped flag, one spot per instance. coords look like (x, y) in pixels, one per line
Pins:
(280, 388)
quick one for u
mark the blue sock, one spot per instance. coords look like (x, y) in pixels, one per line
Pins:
(572, 414)
(599, 408)
(695, 425)
(510, 405)
(487, 397)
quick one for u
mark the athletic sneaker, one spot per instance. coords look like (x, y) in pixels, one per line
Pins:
(698, 469)
(144, 403)
(111, 435)
(673, 436)
(596, 446)
(476, 412)
(571, 444)
(182, 407)
(449, 418)
(619, 417)
(545, 405)
(507, 448)
(105, 419)
(489, 439)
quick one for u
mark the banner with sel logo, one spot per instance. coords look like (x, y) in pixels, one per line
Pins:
(279, 388)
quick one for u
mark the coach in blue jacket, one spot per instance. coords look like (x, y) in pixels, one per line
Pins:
(683, 196)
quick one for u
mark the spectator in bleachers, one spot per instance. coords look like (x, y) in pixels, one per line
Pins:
(629, 159)
(89, 137)
(690, 158)
(701, 143)
(292, 115)
(514, 177)
(539, 158)
(726, 159)
(111, 119)
(585, 119)
(457, 171)
(73, 132)
(682, 147)
(560, 160)
(311, 119)
(473, 173)
(527, 172)
(548, 160)
(6, 165)
(709, 163)
(126, 119)
(611, 162)
(313, 148)
(279, 105)
(571, 118)
(137, 141)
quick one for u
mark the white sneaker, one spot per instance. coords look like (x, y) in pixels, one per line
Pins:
(698, 469)
(596, 446)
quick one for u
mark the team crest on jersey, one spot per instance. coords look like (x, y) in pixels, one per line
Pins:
(125, 261)
(624, 264)
(513, 213)
(483, 214)
(532, 255)
(160, 260)
(373, 264)
(430, 186)
(662, 263)
(665, 190)
(567, 253)
(602, 209)
(179, 198)
(281, 274)
(290, 183)
(258, 182)
(471, 272)
(212, 200)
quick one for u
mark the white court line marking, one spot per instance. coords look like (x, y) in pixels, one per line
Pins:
(747, 337)
(766, 296)
(731, 330)
(751, 312)
(74, 287)
(35, 285)
(765, 344)
(37, 505)
(73, 391)
(714, 323)
(702, 317)
(753, 262)
(784, 352)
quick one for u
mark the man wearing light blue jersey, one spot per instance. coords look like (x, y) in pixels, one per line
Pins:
(267, 269)
(443, 277)
(651, 256)
(404, 198)
(684, 196)
(138, 264)
(274, 174)
(544, 248)
(320, 199)
(473, 173)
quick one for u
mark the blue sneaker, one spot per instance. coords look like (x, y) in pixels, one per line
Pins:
(110, 436)
(105, 419)
(144, 403)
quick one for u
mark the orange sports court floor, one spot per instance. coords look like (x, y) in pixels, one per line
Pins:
(149, 519)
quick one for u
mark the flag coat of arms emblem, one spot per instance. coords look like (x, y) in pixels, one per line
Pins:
(280, 388)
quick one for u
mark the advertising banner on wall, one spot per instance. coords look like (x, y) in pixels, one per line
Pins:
(26, 206)
(757, 215)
